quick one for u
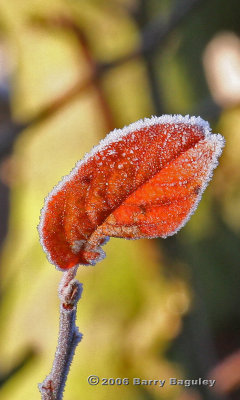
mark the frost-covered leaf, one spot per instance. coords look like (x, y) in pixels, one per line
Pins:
(142, 181)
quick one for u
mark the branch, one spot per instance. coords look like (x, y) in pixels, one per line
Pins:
(153, 36)
(67, 24)
(69, 293)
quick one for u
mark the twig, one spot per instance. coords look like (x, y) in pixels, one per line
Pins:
(69, 293)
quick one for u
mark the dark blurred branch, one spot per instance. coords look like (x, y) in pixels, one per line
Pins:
(69, 25)
(10, 130)
(153, 36)
(149, 59)
(23, 363)
(156, 32)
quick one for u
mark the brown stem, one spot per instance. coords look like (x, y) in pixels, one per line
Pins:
(69, 293)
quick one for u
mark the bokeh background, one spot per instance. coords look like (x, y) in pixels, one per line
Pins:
(70, 71)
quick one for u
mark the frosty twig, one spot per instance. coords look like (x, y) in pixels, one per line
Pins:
(69, 293)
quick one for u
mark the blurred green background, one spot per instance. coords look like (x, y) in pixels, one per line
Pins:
(70, 71)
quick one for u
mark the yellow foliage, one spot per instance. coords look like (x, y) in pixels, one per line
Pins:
(129, 310)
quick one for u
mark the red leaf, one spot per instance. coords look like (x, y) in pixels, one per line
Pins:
(142, 181)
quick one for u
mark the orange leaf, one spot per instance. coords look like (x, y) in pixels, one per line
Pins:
(142, 181)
